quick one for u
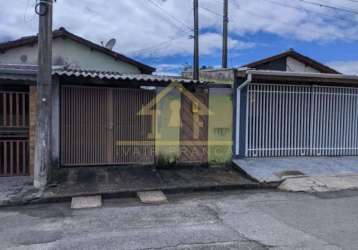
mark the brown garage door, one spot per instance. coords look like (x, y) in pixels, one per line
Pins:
(14, 124)
(194, 129)
(102, 126)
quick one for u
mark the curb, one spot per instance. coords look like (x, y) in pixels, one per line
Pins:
(133, 193)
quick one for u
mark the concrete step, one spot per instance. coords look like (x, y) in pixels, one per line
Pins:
(86, 202)
(152, 197)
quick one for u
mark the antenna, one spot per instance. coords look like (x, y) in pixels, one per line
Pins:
(110, 44)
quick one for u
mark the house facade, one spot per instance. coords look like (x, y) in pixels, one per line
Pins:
(101, 118)
(290, 105)
(113, 119)
(294, 109)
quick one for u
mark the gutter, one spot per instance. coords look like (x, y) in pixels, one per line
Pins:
(302, 74)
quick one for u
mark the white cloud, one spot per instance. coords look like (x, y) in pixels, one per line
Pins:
(346, 67)
(209, 43)
(169, 69)
(138, 24)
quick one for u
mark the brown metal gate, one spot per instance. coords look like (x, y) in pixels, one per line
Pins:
(194, 128)
(14, 125)
(102, 126)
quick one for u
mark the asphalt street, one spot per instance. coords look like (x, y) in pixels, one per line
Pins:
(261, 219)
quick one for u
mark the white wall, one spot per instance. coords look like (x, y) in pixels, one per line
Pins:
(293, 65)
(68, 52)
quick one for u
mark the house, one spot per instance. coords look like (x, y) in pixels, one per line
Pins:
(290, 105)
(72, 51)
(103, 118)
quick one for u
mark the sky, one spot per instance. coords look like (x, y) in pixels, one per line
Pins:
(159, 32)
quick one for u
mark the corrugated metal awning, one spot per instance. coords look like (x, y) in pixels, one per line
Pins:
(109, 75)
(28, 73)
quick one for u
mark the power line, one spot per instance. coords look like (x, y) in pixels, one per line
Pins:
(211, 11)
(278, 21)
(156, 46)
(330, 7)
(308, 10)
(170, 15)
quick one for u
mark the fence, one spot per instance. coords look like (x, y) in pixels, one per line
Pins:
(14, 157)
(292, 120)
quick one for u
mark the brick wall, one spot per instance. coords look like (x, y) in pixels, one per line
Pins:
(32, 129)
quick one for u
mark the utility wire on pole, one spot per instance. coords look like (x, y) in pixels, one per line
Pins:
(225, 34)
(196, 40)
(44, 93)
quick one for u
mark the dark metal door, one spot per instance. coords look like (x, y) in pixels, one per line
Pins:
(194, 128)
(14, 126)
(103, 126)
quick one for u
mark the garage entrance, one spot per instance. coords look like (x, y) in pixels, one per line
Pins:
(301, 120)
(102, 126)
(14, 133)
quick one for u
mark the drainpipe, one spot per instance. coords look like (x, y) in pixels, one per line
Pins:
(247, 82)
(238, 114)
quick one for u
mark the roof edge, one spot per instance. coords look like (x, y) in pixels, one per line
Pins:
(300, 57)
(62, 32)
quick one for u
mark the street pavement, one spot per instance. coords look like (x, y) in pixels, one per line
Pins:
(257, 219)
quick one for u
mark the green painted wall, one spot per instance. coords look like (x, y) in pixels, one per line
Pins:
(220, 126)
(168, 127)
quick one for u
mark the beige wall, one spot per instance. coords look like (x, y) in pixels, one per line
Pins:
(293, 65)
(68, 52)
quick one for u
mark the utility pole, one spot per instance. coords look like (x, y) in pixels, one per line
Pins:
(225, 34)
(44, 92)
(196, 40)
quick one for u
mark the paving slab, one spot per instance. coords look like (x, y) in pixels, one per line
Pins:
(152, 197)
(320, 184)
(86, 202)
(269, 170)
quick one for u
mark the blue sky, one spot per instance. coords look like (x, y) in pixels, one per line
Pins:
(339, 54)
(157, 31)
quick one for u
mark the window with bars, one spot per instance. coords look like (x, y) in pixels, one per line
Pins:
(14, 141)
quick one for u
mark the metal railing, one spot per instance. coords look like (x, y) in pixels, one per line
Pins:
(14, 125)
(14, 109)
(297, 120)
(14, 157)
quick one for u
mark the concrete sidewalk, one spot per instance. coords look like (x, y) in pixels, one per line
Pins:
(275, 169)
(125, 182)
